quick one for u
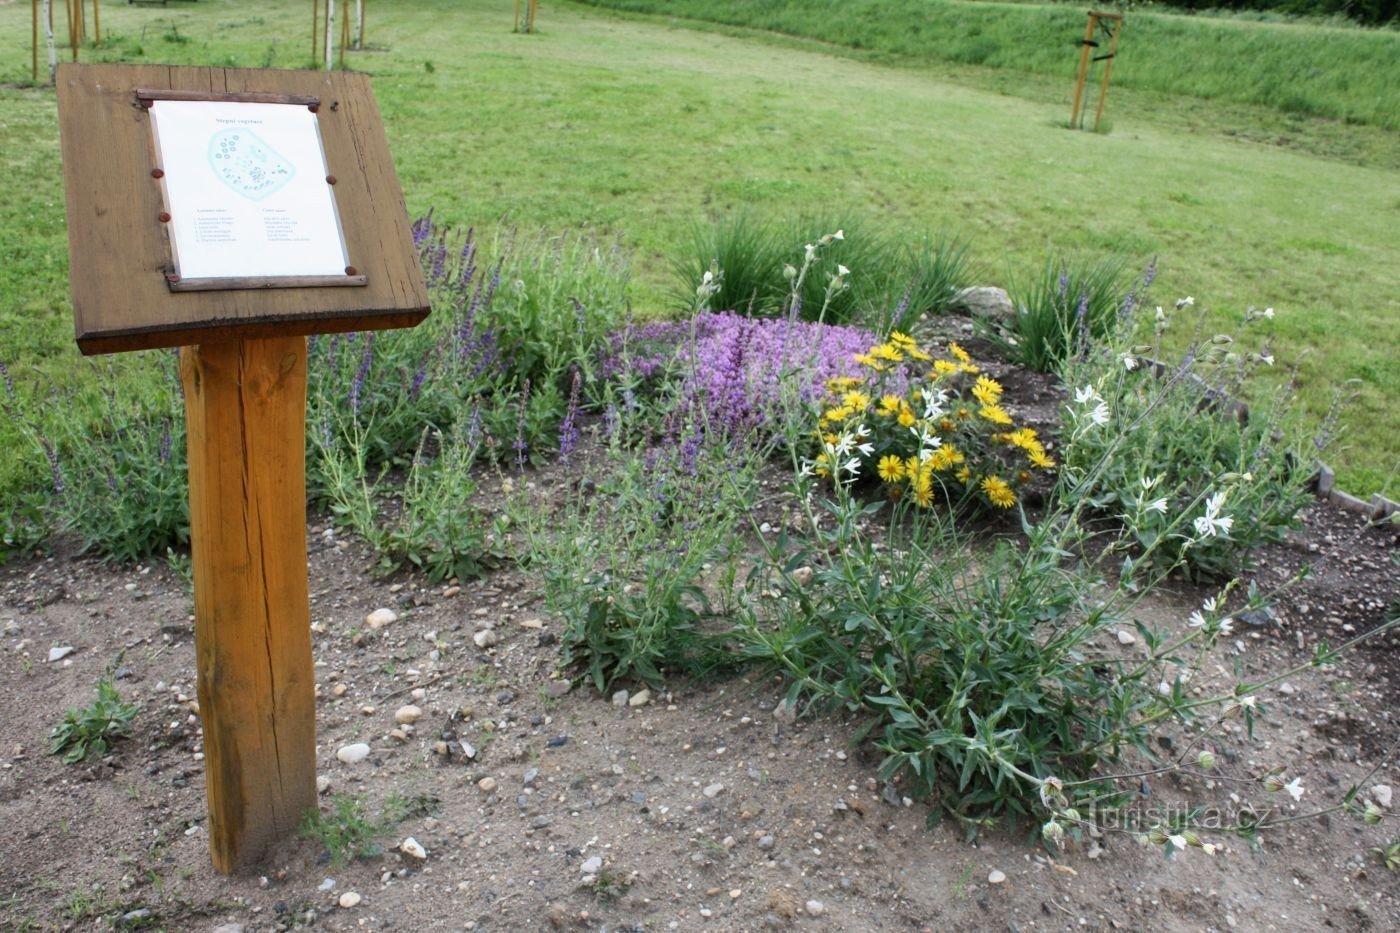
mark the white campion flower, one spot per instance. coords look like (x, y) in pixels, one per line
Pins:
(1212, 522)
(1100, 415)
(1130, 362)
(1177, 840)
(1227, 626)
(1149, 483)
(1196, 620)
(1157, 505)
(934, 403)
(1267, 313)
(842, 270)
(1295, 788)
(1186, 302)
(811, 252)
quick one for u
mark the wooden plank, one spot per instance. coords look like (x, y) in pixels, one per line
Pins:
(119, 254)
(291, 281)
(250, 97)
(245, 407)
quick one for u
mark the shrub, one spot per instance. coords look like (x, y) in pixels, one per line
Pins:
(1063, 311)
(924, 428)
(739, 374)
(1179, 442)
(631, 566)
(844, 274)
(116, 458)
(91, 732)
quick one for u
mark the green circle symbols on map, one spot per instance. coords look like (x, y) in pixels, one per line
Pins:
(248, 165)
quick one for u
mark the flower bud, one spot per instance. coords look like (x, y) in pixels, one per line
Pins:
(1372, 814)
(789, 271)
(1053, 833)
(1206, 760)
(1274, 783)
(1222, 340)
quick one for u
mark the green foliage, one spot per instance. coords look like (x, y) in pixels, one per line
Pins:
(629, 565)
(116, 458)
(982, 672)
(749, 255)
(931, 272)
(560, 297)
(1178, 443)
(421, 516)
(1069, 306)
(348, 832)
(1336, 73)
(91, 731)
(764, 269)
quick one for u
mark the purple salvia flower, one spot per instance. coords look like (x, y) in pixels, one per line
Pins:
(358, 385)
(568, 430)
(59, 487)
(520, 446)
(1064, 283)
(166, 443)
(9, 381)
(1150, 273)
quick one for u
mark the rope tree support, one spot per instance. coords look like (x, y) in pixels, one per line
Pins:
(1098, 22)
(232, 213)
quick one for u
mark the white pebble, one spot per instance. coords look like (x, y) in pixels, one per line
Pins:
(349, 899)
(815, 908)
(352, 754)
(381, 617)
(996, 876)
(485, 638)
(592, 866)
(411, 846)
(408, 714)
(1126, 637)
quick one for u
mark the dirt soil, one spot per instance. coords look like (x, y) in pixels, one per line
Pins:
(700, 807)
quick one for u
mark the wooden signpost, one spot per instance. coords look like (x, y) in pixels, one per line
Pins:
(232, 213)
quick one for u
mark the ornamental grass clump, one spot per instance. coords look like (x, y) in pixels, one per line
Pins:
(927, 429)
(1069, 306)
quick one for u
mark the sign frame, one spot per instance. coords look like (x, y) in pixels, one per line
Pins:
(119, 247)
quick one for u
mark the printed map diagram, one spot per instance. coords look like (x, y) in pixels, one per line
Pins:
(247, 164)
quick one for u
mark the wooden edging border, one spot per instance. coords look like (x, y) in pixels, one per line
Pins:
(1377, 510)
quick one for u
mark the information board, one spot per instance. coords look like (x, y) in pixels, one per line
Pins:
(246, 189)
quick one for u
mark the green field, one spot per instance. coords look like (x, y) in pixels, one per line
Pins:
(639, 128)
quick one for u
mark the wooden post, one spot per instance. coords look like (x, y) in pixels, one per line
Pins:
(49, 39)
(360, 25)
(1083, 69)
(315, 29)
(532, 17)
(34, 8)
(344, 35)
(1108, 70)
(97, 21)
(245, 403)
(329, 42)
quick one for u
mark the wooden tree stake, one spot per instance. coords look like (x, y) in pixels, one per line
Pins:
(245, 403)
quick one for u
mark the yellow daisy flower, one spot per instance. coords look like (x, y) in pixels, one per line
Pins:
(960, 353)
(891, 468)
(964, 475)
(857, 401)
(889, 404)
(987, 391)
(906, 417)
(887, 351)
(998, 493)
(1041, 459)
(995, 414)
(903, 341)
(944, 368)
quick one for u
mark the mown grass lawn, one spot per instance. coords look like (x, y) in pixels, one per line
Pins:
(641, 129)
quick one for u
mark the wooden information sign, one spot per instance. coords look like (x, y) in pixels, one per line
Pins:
(232, 213)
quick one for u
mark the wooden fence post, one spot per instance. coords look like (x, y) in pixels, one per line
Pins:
(245, 403)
